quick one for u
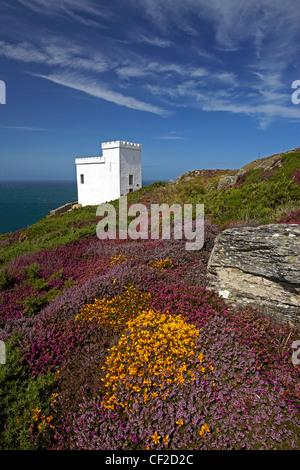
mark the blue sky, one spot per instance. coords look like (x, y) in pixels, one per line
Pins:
(199, 84)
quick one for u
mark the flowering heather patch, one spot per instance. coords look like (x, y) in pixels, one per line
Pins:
(40, 277)
(292, 218)
(196, 304)
(230, 406)
(49, 344)
(296, 177)
(141, 355)
(237, 399)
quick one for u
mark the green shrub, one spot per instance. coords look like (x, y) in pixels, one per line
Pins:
(6, 278)
(40, 284)
(189, 190)
(158, 184)
(57, 275)
(20, 395)
(34, 303)
(32, 272)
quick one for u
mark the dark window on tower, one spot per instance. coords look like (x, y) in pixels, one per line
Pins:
(82, 179)
(130, 179)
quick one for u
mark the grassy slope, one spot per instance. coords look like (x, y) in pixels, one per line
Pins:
(260, 196)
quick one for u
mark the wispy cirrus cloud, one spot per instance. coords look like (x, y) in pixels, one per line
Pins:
(266, 112)
(96, 89)
(88, 12)
(262, 36)
(24, 52)
(267, 31)
(49, 54)
(172, 135)
(236, 60)
(150, 39)
(263, 103)
(233, 22)
(141, 68)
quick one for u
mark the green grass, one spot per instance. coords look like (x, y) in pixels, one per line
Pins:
(260, 198)
(21, 393)
(50, 232)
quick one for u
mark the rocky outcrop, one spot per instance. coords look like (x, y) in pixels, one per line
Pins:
(259, 266)
(230, 180)
(203, 174)
(76, 206)
(265, 164)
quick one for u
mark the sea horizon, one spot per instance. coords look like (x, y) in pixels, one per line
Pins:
(25, 202)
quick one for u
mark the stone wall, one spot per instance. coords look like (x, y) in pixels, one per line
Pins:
(63, 209)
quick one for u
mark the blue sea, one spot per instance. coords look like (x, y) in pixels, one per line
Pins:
(23, 203)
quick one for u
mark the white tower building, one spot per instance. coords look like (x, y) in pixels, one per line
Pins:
(117, 172)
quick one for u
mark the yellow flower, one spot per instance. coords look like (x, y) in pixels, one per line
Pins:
(116, 259)
(204, 429)
(180, 423)
(156, 438)
(163, 264)
(200, 357)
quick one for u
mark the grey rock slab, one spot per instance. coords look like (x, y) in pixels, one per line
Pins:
(259, 266)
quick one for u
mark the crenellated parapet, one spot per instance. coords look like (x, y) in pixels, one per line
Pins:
(121, 144)
(86, 160)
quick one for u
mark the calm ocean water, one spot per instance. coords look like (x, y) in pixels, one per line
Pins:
(23, 203)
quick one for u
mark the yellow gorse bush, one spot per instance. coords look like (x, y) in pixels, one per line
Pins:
(116, 311)
(118, 259)
(163, 264)
(156, 351)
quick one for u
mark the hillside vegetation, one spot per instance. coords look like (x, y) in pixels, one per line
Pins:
(267, 191)
(99, 334)
(261, 192)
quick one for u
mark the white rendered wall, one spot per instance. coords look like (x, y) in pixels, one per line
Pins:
(101, 180)
(130, 164)
(107, 178)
